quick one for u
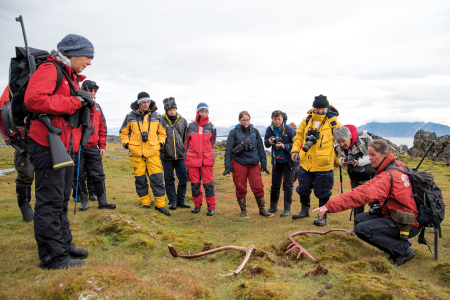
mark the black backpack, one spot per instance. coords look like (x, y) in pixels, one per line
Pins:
(19, 75)
(430, 203)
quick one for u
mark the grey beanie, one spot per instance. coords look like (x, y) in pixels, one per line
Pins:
(169, 103)
(76, 45)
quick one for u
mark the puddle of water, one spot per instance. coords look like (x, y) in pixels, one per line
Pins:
(2, 172)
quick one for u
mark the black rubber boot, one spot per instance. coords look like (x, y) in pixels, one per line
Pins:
(163, 210)
(103, 203)
(70, 264)
(287, 204)
(77, 253)
(210, 212)
(400, 260)
(84, 202)
(323, 221)
(274, 196)
(23, 199)
(304, 213)
(92, 197)
(243, 205)
(183, 205)
(195, 210)
(261, 205)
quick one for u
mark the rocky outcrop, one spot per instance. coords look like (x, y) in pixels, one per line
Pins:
(112, 139)
(397, 148)
(439, 152)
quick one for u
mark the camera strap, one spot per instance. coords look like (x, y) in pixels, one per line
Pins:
(143, 118)
(246, 136)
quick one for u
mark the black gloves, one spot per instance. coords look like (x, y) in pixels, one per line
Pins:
(264, 168)
(86, 97)
(226, 172)
(125, 146)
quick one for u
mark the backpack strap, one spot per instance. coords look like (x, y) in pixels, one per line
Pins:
(60, 73)
(390, 189)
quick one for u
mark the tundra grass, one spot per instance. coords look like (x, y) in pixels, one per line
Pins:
(129, 258)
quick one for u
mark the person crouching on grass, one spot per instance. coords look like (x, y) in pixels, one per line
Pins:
(199, 144)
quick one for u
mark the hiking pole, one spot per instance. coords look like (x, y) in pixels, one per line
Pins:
(416, 168)
(78, 176)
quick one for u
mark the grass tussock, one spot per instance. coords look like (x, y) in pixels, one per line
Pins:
(442, 270)
(261, 291)
(118, 224)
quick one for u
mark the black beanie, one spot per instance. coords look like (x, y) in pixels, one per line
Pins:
(320, 101)
(143, 97)
(169, 103)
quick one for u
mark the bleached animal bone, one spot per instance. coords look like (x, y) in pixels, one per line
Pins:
(248, 252)
(295, 244)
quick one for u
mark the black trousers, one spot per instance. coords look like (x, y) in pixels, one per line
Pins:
(282, 173)
(175, 196)
(25, 169)
(382, 233)
(90, 166)
(356, 210)
(51, 225)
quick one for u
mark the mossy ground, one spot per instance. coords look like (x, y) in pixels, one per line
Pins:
(129, 258)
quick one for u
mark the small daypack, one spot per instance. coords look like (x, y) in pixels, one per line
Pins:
(430, 203)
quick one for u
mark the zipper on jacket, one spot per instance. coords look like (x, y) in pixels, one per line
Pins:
(174, 144)
(321, 140)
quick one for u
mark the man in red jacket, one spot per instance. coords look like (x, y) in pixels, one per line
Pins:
(393, 191)
(91, 155)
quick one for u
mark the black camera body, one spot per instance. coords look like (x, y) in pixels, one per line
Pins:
(351, 158)
(311, 138)
(248, 147)
(144, 136)
(375, 208)
(275, 140)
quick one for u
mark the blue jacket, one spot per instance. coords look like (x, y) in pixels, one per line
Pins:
(246, 158)
(289, 134)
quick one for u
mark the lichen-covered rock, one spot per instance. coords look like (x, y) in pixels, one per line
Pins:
(422, 141)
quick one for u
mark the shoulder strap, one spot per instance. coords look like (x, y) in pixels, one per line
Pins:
(235, 130)
(60, 73)
(390, 189)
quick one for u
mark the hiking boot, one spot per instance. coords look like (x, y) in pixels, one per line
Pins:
(321, 222)
(102, 203)
(304, 213)
(144, 206)
(77, 253)
(70, 264)
(243, 206)
(196, 210)
(84, 202)
(287, 204)
(400, 260)
(261, 204)
(173, 207)
(92, 197)
(27, 212)
(163, 210)
(183, 205)
(210, 212)
(274, 196)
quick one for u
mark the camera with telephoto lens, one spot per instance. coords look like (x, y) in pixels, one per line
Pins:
(351, 158)
(276, 140)
(311, 138)
(248, 147)
(144, 136)
(375, 208)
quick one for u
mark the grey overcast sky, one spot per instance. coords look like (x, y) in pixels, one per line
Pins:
(379, 60)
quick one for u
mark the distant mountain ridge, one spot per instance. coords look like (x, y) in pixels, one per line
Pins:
(404, 129)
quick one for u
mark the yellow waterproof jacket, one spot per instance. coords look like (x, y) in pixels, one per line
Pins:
(321, 156)
(135, 123)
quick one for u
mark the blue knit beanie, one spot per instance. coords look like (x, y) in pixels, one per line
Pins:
(202, 106)
(76, 45)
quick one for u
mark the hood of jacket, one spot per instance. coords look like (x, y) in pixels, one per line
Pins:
(354, 132)
(386, 161)
(201, 120)
(135, 107)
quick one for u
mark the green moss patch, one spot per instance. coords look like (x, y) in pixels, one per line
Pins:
(260, 271)
(261, 291)
(141, 241)
(442, 270)
(199, 291)
(376, 264)
(118, 224)
(185, 240)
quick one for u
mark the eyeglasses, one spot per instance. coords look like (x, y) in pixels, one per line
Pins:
(244, 120)
(341, 142)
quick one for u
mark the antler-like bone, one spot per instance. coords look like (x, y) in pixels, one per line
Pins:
(248, 252)
(295, 244)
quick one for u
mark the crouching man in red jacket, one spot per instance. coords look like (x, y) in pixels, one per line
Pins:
(393, 191)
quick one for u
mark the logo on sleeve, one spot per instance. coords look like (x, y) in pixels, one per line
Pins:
(405, 179)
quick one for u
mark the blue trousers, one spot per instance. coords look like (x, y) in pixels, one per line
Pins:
(175, 197)
(322, 182)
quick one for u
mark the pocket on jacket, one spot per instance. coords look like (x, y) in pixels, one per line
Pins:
(191, 154)
(208, 154)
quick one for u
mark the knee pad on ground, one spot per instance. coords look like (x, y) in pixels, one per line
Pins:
(195, 189)
(157, 184)
(209, 189)
(141, 185)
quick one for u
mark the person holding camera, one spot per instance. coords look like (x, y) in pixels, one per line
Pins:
(90, 157)
(199, 144)
(143, 135)
(53, 186)
(353, 156)
(243, 154)
(392, 219)
(317, 156)
(172, 155)
(279, 136)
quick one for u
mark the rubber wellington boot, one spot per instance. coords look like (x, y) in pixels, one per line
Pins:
(77, 253)
(23, 199)
(195, 210)
(163, 210)
(243, 206)
(274, 196)
(304, 213)
(210, 212)
(261, 204)
(84, 202)
(103, 203)
(323, 221)
(287, 204)
(93, 197)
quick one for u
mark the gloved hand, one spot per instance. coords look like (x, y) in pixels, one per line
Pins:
(86, 97)
(125, 146)
(264, 168)
(226, 172)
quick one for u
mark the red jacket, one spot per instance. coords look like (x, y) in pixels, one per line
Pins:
(377, 189)
(39, 98)
(5, 97)
(199, 144)
(98, 137)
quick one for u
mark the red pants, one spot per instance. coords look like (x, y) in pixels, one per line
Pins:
(204, 174)
(240, 175)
